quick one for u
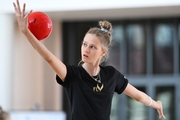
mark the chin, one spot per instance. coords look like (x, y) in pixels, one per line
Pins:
(86, 61)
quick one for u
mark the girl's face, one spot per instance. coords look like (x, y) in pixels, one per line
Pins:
(91, 49)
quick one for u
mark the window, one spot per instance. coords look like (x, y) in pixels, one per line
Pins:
(141, 50)
(115, 54)
(179, 45)
(166, 95)
(136, 110)
(136, 50)
(163, 49)
(114, 109)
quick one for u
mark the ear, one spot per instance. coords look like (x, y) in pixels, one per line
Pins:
(104, 51)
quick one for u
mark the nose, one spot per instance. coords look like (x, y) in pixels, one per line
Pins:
(87, 49)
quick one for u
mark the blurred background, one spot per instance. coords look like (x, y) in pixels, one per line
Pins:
(146, 48)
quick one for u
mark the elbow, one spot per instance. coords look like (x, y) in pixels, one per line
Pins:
(138, 99)
(48, 59)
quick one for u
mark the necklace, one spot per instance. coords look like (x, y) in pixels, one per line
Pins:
(97, 78)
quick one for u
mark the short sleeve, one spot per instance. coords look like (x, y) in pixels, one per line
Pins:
(70, 74)
(121, 83)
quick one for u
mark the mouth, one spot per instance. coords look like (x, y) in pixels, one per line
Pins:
(84, 55)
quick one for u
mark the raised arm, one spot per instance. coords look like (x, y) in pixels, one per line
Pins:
(53, 61)
(145, 99)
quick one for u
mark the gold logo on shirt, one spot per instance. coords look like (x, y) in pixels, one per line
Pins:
(98, 88)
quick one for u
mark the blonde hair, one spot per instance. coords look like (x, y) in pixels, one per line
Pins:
(104, 32)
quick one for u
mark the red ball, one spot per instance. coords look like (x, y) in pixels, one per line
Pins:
(40, 25)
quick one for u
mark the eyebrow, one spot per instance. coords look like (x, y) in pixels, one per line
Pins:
(90, 44)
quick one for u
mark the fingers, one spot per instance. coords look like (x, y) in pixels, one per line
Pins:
(28, 14)
(18, 6)
(160, 110)
(161, 115)
(23, 11)
(15, 8)
(20, 13)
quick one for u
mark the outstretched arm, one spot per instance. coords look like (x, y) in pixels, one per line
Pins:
(53, 61)
(140, 96)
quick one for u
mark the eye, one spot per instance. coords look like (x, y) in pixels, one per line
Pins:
(84, 44)
(93, 47)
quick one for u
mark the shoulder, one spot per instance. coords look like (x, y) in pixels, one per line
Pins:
(73, 70)
(109, 69)
(73, 67)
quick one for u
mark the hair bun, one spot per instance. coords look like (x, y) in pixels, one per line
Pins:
(105, 25)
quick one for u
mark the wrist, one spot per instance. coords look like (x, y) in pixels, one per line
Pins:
(159, 104)
(25, 30)
(150, 101)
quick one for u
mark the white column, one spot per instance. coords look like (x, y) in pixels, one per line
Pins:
(6, 60)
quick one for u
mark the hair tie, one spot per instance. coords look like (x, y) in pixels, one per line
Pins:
(105, 30)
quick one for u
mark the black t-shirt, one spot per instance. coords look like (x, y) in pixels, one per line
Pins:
(89, 99)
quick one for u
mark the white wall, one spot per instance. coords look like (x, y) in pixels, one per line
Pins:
(68, 5)
(25, 78)
(6, 60)
(34, 80)
(98, 9)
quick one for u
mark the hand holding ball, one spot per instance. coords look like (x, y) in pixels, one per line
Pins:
(40, 25)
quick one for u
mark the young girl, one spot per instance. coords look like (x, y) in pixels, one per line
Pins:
(89, 86)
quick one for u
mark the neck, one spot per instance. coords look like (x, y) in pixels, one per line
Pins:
(93, 70)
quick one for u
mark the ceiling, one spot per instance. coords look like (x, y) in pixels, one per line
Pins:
(117, 13)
